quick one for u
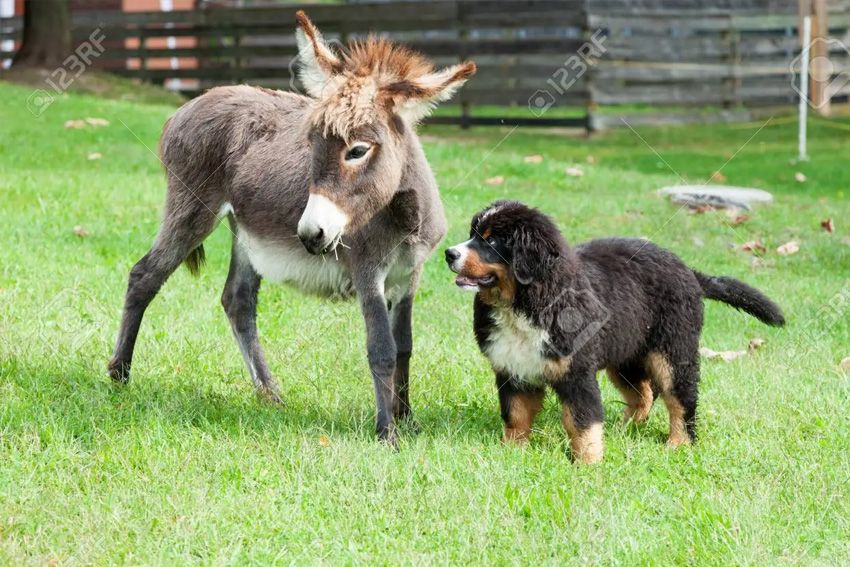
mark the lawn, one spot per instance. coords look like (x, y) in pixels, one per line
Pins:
(185, 464)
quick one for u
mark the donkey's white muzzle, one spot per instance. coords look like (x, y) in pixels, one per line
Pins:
(322, 224)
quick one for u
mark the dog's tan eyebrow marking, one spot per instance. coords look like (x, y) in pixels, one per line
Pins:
(486, 234)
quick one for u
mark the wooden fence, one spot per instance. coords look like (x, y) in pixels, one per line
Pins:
(533, 54)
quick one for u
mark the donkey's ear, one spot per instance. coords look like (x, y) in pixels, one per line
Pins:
(414, 98)
(534, 255)
(318, 62)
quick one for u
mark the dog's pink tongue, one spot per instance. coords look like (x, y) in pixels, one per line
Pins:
(463, 280)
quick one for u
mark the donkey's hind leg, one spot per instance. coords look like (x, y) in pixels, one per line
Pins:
(239, 300)
(178, 238)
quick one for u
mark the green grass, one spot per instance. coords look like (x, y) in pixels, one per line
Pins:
(186, 465)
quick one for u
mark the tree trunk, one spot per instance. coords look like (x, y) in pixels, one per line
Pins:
(47, 34)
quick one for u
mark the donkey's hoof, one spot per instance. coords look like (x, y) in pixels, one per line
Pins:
(119, 371)
(270, 396)
(389, 436)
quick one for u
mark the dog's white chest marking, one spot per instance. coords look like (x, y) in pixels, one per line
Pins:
(288, 261)
(516, 347)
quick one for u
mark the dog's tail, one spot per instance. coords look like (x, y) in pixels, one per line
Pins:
(741, 296)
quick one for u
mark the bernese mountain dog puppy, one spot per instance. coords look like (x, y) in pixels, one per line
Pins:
(547, 314)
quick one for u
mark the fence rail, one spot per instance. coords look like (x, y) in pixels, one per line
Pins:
(665, 53)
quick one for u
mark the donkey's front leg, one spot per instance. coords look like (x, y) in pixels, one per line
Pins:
(402, 320)
(381, 351)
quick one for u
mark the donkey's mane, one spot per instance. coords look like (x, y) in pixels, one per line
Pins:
(373, 70)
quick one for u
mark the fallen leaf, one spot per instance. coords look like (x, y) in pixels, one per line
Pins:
(753, 246)
(757, 262)
(80, 231)
(75, 124)
(497, 180)
(800, 176)
(718, 177)
(94, 155)
(755, 344)
(700, 209)
(574, 171)
(791, 247)
(845, 364)
(536, 158)
(324, 441)
(97, 122)
(828, 225)
(736, 217)
(590, 160)
(725, 355)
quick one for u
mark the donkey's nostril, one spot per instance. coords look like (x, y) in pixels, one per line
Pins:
(452, 255)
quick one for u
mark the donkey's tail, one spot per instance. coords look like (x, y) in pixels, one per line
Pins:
(741, 296)
(195, 260)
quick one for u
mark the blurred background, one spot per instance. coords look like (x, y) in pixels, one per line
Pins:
(589, 64)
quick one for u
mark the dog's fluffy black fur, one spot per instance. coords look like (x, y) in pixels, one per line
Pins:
(624, 305)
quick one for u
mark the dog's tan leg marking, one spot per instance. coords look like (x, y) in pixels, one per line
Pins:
(557, 368)
(523, 409)
(662, 374)
(586, 443)
(638, 397)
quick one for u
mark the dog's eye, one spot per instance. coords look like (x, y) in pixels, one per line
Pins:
(492, 242)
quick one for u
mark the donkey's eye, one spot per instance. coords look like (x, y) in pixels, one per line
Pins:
(357, 151)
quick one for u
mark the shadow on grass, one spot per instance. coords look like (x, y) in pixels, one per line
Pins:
(82, 403)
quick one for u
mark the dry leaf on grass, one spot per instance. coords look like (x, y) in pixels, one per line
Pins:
(97, 122)
(497, 180)
(81, 231)
(574, 171)
(736, 217)
(324, 441)
(828, 225)
(724, 355)
(77, 124)
(94, 155)
(590, 160)
(753, 246)
(718, 177)
(755, 344)
(800, 176)
(789, 248)
(845, 364)
(535, 159)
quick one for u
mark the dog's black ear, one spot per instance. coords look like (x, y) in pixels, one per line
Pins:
(535, 253)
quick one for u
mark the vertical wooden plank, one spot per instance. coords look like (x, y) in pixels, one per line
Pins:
(820, 59)
(463, 35)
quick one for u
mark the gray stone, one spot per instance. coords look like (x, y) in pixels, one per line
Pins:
(719, 196)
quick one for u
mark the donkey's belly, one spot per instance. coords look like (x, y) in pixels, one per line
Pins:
(288, 261)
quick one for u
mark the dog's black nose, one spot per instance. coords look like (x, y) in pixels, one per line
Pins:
(452, 255)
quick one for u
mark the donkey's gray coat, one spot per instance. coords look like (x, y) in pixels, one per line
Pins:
(255, 156)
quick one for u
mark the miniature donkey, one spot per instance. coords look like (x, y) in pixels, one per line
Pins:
(342, 170)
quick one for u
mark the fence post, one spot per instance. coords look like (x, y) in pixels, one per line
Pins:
(820, 58)
(142, 55)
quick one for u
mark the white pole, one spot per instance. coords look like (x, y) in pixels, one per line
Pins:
(804, 87)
